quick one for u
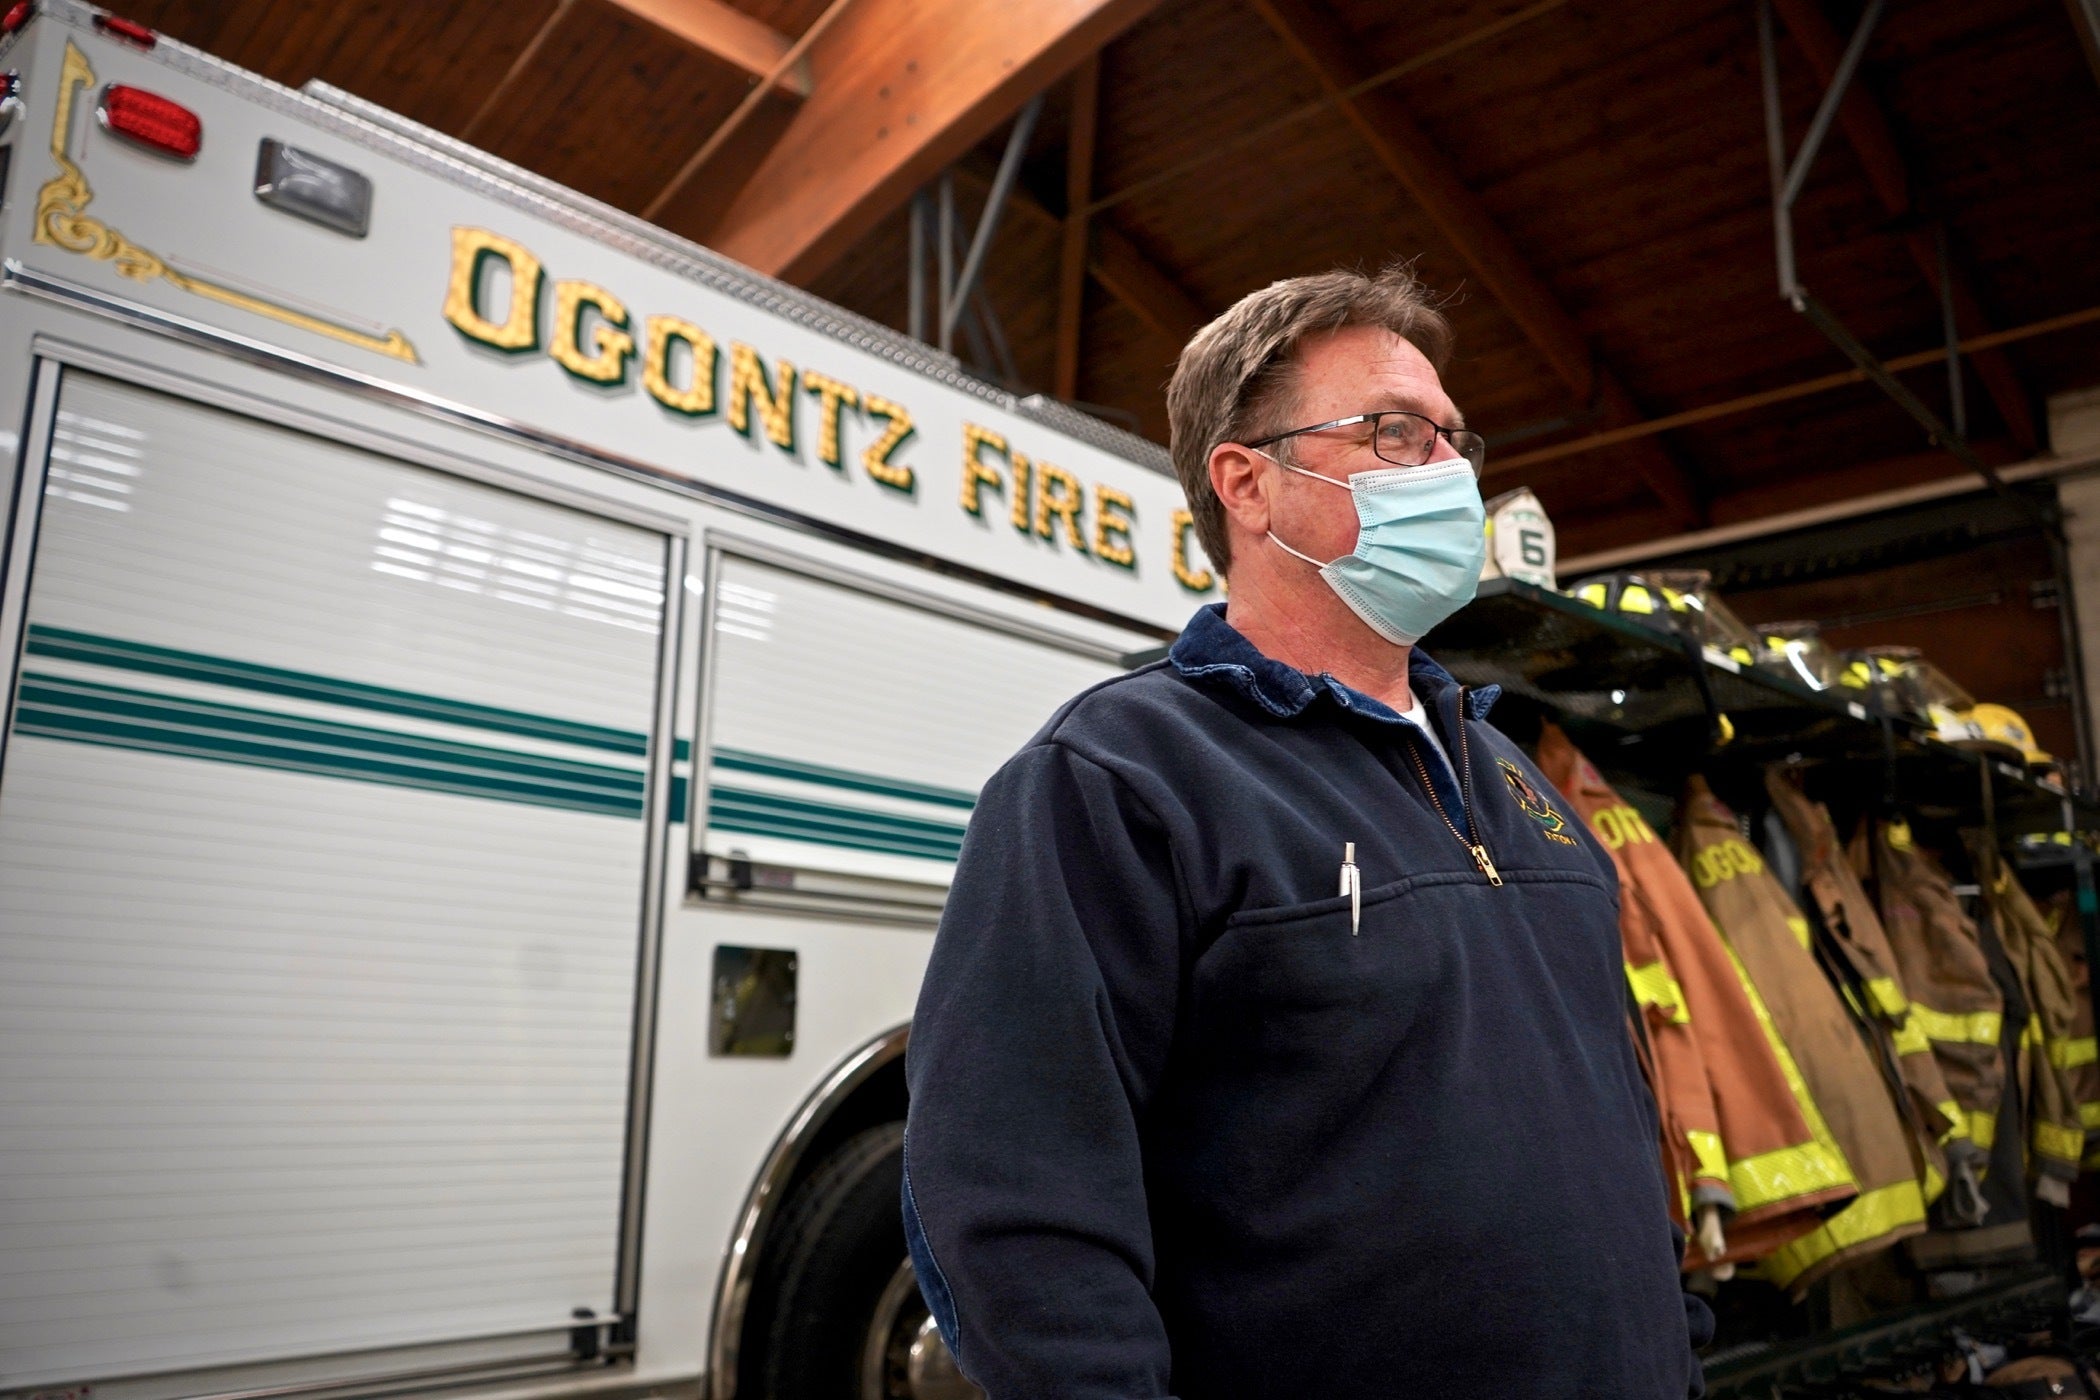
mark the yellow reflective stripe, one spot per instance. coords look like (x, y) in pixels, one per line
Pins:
(1707, 1151)
(1786, 1174)
(2055, 1140)
(1654, 986)
(1887, 997)
(1951, 1111)
(1963, 1028)
(1909, 1037)
(1935, 1184)
(1812, 1166)
(2070, 1054)
(2089, 1114)
(2033, 1034)
(1635, 599)
(1983, 1128)
(1799, 927)
(1869, 1217)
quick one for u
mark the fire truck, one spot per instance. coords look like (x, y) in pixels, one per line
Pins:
(494, 693)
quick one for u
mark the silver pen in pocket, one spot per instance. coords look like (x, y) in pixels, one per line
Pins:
(1352, 885)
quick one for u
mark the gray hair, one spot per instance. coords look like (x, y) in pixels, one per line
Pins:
(1239, 374)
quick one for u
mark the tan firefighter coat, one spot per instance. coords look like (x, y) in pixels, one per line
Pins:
(1734, 1133)
(2078, 1055)
(1953, 998)
(1848, 1100)
(1836, 897)
(2056, 1136)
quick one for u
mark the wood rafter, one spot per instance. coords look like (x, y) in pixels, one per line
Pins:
(1072, 244)
(1873, 139)
(903, 89)
(723, 32)
(500, 93)
(697, 194)
(1773, 507)
(1331, 55)
(1119, 266)
(1785, 393)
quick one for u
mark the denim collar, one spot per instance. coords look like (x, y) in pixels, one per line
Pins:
(1210, 648)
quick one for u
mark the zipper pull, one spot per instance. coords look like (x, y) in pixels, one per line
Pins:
(1352, 885)
(1487, 867)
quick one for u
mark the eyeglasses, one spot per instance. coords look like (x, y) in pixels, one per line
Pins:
(1402, 438)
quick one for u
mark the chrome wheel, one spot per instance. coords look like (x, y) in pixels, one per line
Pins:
(903, 1356)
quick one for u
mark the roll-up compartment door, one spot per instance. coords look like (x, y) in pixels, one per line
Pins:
(321, 899)
(850, 728)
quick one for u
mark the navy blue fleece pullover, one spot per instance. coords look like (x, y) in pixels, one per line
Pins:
(1178, 1129)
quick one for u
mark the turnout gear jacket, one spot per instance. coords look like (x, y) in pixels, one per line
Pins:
(2056, 1136)
(1858, 940)
(1844, 1094)
(1952, 997)
(1734, 1134)
(2078, 1054)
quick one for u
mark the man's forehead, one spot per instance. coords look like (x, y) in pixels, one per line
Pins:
(1373, 368)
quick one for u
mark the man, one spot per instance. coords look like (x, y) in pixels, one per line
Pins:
(1185, 1120)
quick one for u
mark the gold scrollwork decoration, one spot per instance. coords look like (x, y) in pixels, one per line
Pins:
(63, 222)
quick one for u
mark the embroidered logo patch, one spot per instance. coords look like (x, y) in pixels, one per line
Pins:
(1535, 805)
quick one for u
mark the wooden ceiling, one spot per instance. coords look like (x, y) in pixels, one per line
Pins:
(1587, 181)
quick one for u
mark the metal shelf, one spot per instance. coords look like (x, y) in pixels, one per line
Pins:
(2031, 1299)
(1644, 702)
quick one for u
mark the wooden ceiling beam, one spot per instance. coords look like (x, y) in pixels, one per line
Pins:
(1331, 55)
(499, 95)
(1126, 274)
(1072, 243)
(902, 89)
(1122, 269)
(724, 32)
(1873, 139)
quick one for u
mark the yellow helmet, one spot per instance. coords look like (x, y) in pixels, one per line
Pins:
(1996, 728)
(1797, 651)
(1652, 594)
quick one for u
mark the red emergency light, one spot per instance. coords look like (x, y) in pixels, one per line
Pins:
(17, 15)
(152, 121)
(128, 29)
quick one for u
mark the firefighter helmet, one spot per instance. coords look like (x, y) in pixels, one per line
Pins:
(1998, 729)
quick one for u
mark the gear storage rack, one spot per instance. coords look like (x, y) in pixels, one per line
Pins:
(1652, 702)
(1653, 706)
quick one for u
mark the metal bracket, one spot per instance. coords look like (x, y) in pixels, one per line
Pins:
(956, 294)
(933, 222)
(1788, 178)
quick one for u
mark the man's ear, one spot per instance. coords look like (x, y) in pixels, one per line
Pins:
(1242, 483)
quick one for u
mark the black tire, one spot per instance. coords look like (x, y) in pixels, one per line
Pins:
(835, 1249)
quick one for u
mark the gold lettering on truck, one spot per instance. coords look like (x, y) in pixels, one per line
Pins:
(897, 430)
(831, 397)
(661, 335)
(751, 391)
(475, 254)
(975, 471)
(604, 360)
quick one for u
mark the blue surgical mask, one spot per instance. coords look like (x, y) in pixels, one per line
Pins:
(1421, 540)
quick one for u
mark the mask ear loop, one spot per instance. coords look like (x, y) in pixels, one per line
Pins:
(1298, 554)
